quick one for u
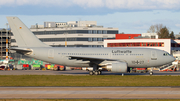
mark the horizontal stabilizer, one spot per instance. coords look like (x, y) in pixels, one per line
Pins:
(21, 50)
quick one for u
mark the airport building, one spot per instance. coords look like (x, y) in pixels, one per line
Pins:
(3, 42)
(72, 34)
(151, 41)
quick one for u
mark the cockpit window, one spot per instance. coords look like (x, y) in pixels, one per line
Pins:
(166, 54)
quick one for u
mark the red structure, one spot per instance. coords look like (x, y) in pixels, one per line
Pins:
(138, 44)
(127, 36)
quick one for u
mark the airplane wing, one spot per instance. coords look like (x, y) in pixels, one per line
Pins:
(98, 61)
(90, 58)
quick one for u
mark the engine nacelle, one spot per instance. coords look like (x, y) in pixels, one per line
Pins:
(118, 67)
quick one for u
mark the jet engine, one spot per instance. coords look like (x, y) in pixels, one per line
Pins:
(118, 67)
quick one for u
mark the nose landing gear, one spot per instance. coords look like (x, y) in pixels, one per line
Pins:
(151, 71)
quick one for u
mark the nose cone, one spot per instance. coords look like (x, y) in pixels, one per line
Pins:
(171, 59)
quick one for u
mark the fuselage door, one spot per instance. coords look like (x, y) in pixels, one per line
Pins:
(110, 55)
(51, 54)
(153, 55)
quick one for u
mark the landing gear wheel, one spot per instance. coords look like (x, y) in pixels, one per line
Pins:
(99, 72)
(91, 73)
(96, 72)
(151, 73)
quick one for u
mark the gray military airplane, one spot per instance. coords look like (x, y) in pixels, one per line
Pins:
(113, 59)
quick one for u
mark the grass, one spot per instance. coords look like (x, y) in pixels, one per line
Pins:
(89, 100)
(102, 81)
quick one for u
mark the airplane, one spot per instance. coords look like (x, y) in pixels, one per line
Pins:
(113, 59)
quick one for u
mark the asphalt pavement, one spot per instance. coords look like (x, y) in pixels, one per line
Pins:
(90, 92)
(77, 72)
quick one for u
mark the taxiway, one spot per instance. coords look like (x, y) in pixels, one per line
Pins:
(90, 92)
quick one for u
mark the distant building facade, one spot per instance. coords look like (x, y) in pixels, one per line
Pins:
(3, 43)
(75, 33)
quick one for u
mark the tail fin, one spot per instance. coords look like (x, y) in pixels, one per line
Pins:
(24, 37)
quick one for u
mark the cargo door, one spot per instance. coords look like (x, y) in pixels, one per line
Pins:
(51, 54)
(153, 55)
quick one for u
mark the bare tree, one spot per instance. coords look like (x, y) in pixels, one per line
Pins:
(155, 28)
(161, 30)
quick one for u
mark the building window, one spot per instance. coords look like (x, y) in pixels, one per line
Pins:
(153, 37)
(136, 45)
(104, 31)
(99, 31)
(90, 39)
(94, 31)
(100, 39)
(94, 39)
(90, 31)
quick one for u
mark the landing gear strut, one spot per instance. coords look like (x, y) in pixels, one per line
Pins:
(95, 71)
(151, 72)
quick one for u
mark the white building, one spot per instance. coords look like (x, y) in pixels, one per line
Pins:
(150, 35)
(168, 45)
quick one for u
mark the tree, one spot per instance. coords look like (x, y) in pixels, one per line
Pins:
(155, 28)
(172, 35)
(161, 30)
(164, 33)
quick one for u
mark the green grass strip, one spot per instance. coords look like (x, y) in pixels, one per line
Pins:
(103, 80)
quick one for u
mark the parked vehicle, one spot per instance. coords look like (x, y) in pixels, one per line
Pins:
(138, 70)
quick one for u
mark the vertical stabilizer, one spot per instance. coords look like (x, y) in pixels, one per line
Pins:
(24, 37)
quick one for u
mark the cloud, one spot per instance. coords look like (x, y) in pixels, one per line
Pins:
(89, 3)
(177, 25)
(110, 4)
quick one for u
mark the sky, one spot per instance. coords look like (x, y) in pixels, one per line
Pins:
(130, 16)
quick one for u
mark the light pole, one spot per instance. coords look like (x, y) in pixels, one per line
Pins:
(7, 41)
(65, 39)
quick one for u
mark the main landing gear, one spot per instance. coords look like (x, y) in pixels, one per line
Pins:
(95, 71)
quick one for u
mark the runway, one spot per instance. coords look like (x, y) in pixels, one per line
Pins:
(90, 92)
(76, 72)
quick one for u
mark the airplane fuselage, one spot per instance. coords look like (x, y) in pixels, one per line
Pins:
(134, 57)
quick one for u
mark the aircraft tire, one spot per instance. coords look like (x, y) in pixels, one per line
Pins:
(96, 72)
(151, 73)
(99, 72)
(91, 73)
